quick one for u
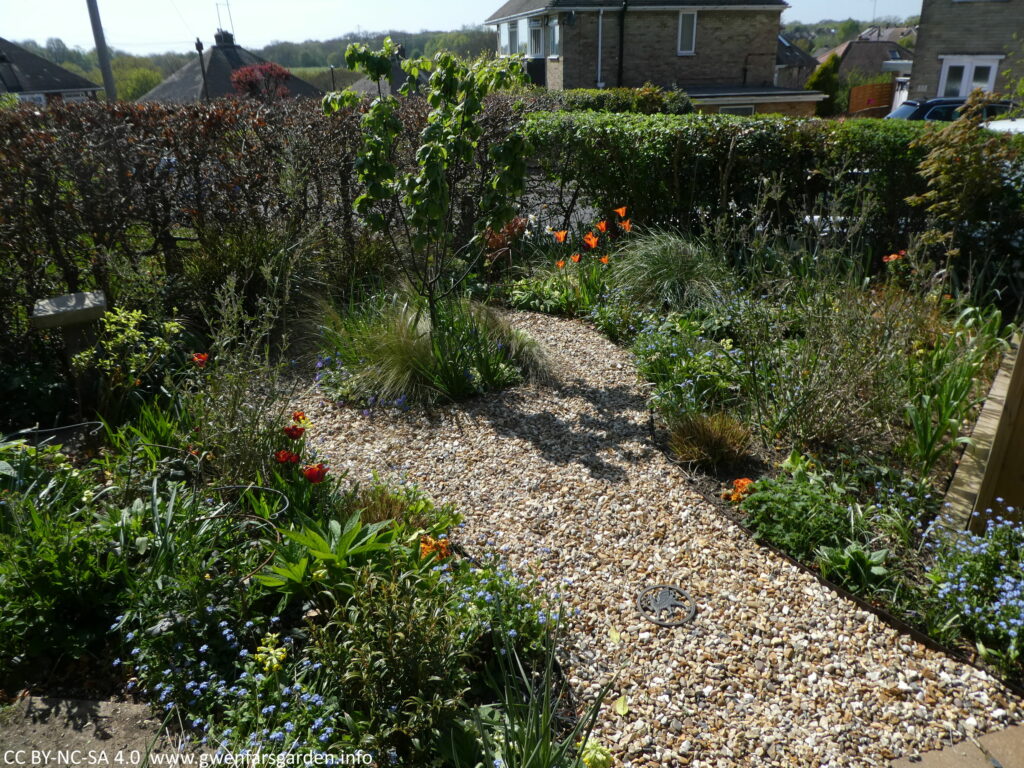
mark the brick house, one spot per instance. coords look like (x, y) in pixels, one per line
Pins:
(722, 54)
(967, 44)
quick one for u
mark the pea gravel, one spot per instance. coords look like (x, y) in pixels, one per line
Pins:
(775, 670)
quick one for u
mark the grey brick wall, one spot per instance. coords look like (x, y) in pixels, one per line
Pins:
(982, 27)
(732, 48)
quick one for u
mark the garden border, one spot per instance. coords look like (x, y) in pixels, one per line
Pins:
(896, 623)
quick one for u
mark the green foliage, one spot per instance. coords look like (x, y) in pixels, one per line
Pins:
(855, 567)
(401, 657)
(131, 356)
(803, 510)
(525, 729)
(137, 82)
(573, 289)
(826, 79)
(647, 100)
(388, 352)
(59, 574)
(8, 101)
(974, 201)
(944, 382)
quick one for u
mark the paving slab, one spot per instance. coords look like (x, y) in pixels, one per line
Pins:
(1003, 749)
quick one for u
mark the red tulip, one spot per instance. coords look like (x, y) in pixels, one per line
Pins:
(315, 473)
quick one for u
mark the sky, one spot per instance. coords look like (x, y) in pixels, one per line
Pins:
(151, 26)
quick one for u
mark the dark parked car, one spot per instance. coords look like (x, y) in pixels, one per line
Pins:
(941, 109)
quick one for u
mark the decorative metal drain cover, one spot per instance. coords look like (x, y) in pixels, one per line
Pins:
(666, 605)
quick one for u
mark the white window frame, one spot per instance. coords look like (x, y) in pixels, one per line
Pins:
(682, 50)
(536, 28)
(969, 63)
(503, 40)
(513, 36)
(554, 38)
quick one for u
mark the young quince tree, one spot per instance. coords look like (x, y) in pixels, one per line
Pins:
(413, 207)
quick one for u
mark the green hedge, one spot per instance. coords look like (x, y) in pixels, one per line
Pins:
(648, 100)
(672, 169)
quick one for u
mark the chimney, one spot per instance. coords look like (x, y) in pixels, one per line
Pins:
(224, 39)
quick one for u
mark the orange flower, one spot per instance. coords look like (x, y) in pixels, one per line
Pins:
(294, 431)
(621, 211)
(200, 359)
(602, 226)
(560, 263)
(741, 488)
(893, 257)
(590, 240)
(604, 259)
(575, 258)
(315, 473)
(430, 546)
(299, 416)
(560, 235)
(626, 225)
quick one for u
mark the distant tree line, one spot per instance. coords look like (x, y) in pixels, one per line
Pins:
(135, 75)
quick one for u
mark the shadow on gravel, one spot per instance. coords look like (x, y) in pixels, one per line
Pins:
(578, 441)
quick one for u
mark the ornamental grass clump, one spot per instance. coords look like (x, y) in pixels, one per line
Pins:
(387, 352)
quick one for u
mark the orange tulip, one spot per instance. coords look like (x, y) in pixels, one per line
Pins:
(604, 259)
(575, 258)
(602, 226)
(621, 211)
(560, 263)
(626, 225)
(560, 235)
(590, 240)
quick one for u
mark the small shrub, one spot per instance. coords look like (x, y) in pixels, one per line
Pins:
(708, 439)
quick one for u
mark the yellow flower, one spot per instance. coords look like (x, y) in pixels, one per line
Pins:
(270, 655)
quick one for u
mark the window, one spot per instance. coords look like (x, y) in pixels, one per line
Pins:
(513, 37)
(536, 39)
(738, 110)
(554, 38)
(522, 37)
(503, 48)
(963, 74)
(687, 34)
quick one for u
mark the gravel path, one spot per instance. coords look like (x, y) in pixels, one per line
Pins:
(775, 670)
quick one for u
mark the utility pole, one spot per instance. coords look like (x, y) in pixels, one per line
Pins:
(102, 54)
